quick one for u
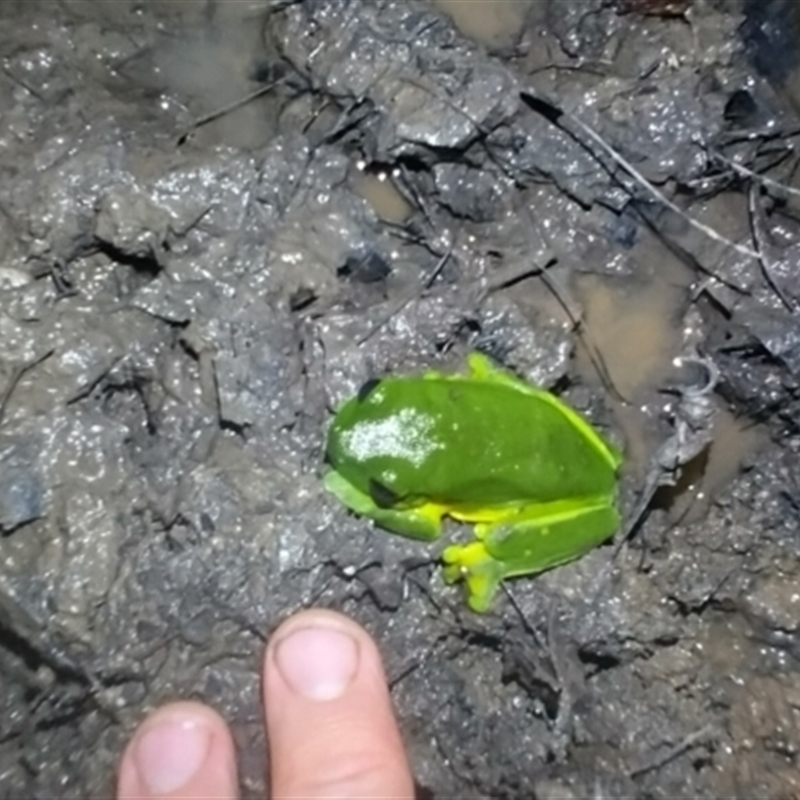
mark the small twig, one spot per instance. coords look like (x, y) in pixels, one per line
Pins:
(182, 231)
(637, 176)
(507, 281)
(734, 137)
(88, 388)
(659, 195)
(584, 335)
(526, 623)
(16, 377)
(404, 673)
(17, 621)
(315, 114)
(554, 114)
(236, 104)
(757, 232)
(506, 169)
(638, 514)
(407, 299)
(347, 119)
(12, 77)
(755, 176)
(686, 744)
(416, 198)
(448, 102)
(62, 281)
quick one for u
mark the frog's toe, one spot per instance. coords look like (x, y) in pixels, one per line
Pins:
(481, 529)
(477, 568)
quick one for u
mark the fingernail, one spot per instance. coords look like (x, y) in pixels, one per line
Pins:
(318, 663)
(168, 754)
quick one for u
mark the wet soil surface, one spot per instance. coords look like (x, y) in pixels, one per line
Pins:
(217, 220)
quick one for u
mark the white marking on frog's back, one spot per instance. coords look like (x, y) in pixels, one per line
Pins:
(405, 435)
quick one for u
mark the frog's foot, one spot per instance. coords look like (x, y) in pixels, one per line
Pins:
(473, 564)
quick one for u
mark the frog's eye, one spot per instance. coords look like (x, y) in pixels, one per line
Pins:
(366, 390)
(381, 495)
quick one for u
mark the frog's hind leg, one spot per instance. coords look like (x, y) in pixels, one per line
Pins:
(549, 534)
(537, 539)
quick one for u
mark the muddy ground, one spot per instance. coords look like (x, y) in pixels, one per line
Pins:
(218, 219)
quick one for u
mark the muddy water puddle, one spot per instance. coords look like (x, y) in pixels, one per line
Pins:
(378, 189)
(634, 333)
(632, 336)
(735, 444)
(216, 71)
(494, 23)
(636, 328)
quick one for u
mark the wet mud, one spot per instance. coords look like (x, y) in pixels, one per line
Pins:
(217, 220)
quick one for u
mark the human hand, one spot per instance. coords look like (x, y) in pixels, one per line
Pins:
(329, 720)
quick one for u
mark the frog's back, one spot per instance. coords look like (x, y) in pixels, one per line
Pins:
(463, 442)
